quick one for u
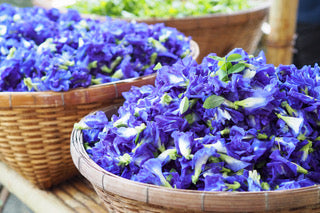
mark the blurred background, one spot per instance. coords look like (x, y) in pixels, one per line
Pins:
(19, 3)
(307, 45)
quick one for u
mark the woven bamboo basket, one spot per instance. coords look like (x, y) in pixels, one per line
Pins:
(123, 195)
(35, 127)
(218, 33)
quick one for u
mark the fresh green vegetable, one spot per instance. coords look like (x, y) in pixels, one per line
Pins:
(158, 8)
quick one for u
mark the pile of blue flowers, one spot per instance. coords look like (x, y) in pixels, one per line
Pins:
(47, 50)
(232, 123)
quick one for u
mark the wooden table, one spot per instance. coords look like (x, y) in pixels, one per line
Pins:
(74, 195)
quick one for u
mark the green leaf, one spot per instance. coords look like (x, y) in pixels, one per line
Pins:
(193, 102)
(265, 186)
(11, 52)
(236, 185)
(217, 58)
(222, 65)
(300, 169)
(223, 75)
(213, 101)
(96, 81)
(184, 105)
(118, 74)
(157, 44)
(191, 118)
(234, 58)
(86, 146)
(209, 124)
(158, 66)
(236, 68)
(263, 136)
(116, 62)
(153, 58)
(93, 64)
(106, 69)
(28, 83)
(166, 99)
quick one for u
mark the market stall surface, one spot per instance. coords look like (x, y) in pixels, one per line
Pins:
(13, 204)
(74, 195)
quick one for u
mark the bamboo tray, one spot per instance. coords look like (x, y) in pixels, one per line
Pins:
(123, 195)
(218, 33)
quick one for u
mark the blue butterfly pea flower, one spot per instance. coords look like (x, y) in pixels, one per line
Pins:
(233, 163)
(142, 153)
(185, 166)
(151, 172)
(183, 143)
(98, 120)
(91, 135)
(282, 166)
(254, 181)
(199, 159)
(214, 182)
(168, 155)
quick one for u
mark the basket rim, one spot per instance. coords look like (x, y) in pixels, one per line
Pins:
(81, 95)
(266, 200)
(212, 21)
(262, 6)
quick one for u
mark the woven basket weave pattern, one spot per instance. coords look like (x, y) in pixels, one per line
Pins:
(35, 141)
(122, 195)
(116, 203)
